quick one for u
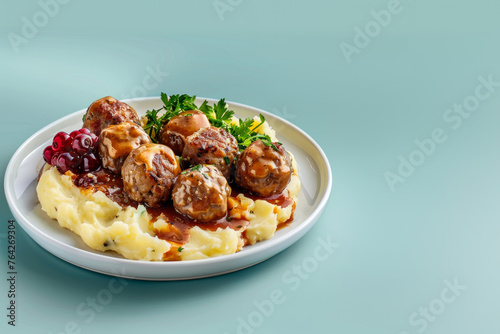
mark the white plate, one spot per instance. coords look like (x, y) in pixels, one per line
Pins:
(20, 183)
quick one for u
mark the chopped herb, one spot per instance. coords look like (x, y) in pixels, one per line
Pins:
(180, 249)
(192, 169)
(267, 142)
(83, 118)
(229, 219)
(196, 168)
(239, 226)
(251, 211)
(226, 159)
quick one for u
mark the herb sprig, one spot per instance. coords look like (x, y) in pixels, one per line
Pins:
(173, 106)
(218, 115)
(245, 133)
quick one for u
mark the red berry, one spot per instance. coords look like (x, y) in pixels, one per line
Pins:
(75, 133)
(94, 138)
(61, 142)
(48, 152)
(82, 143)
(90, 163)
(65, 162)
(85, 131)
(53, 160)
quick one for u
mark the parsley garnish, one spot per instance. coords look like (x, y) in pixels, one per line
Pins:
(246, 134)
(196, 168)
(180, 249)
(192, 169)
(218, 115)
(173, 105)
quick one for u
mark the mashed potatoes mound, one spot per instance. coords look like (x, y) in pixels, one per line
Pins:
(102, 224)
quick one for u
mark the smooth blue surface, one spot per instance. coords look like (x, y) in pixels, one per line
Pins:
(395, 252)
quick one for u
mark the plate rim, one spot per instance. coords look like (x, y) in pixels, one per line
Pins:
(288, 238)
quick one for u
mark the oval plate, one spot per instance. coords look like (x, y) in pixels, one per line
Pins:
(20, 184)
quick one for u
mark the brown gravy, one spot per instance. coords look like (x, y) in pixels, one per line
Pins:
(112, 185)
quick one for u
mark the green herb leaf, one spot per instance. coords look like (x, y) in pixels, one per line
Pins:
(221, 111)
(218, 115)
(180, 249)
(206, 109)
(245, 135)
(153, 124)
(196, 168)
(172, 106)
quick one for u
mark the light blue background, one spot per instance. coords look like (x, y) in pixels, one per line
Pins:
(396, 248)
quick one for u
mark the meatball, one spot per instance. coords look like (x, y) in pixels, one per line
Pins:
(201, 193)
(174, 132)
(149, 174)
(117, 141)
(263, 170)
(214, 146)
(107, 111)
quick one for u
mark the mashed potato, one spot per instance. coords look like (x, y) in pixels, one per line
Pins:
(104, 225)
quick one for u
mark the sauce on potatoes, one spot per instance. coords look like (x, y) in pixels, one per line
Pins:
(112, 185)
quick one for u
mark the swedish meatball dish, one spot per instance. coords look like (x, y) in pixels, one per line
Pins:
(181, 182)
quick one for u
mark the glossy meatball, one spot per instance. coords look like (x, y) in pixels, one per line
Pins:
(107, 111)
(201, 193)
(174, 132)
(263, 170)
(149, 174)
(214, 146)
(117, 141)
